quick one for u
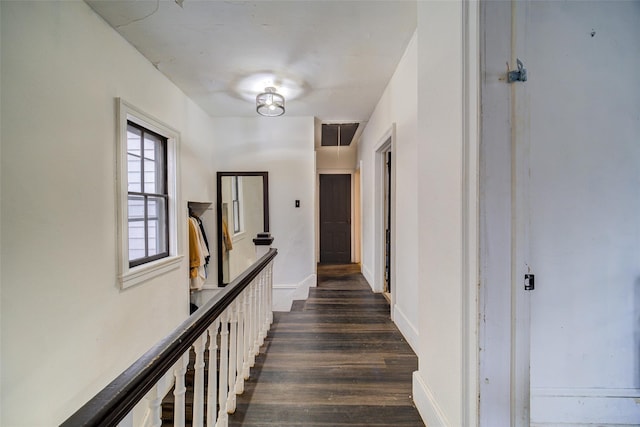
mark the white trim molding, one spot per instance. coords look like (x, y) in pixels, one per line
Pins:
(386, 143)
(470, 214)
(407, 329)
(585, 406)
(427, 406)
(285, 294)
(368, 276)
(150, 270)
(128, 276)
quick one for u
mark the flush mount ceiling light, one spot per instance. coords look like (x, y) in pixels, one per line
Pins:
(270, 103)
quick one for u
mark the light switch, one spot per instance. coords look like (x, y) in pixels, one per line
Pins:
(297, 203)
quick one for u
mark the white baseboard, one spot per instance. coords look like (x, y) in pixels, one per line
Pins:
(407, 329)
(581, 406)
(302, 290)
(426, 404)
(283, 297)
(368, 276)
(285, 294)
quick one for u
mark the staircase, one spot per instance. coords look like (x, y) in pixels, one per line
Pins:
(230, 327)
(336, 359)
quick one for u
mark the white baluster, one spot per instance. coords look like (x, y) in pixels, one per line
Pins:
(260, 310)
(264, 319)
(155, 407)
(255, 346)
(259, 313)
(212, 388)
(198, 385)
(270, 291)
(256, 331)
(233, 346)
(223, 417)
(240, 341)
(180, 390)
(254, 322)
(246, 365)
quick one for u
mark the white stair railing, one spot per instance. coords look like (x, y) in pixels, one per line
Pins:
(225, 336)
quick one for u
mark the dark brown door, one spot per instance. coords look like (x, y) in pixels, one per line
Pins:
(335, 218)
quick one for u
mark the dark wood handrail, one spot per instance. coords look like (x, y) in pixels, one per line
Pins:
(116, 400)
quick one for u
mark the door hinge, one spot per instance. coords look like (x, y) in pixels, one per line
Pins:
(519, 75)
(529, 282)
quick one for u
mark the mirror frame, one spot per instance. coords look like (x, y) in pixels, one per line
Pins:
(265, 210)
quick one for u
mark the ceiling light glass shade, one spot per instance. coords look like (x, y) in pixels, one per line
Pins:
(270, 103)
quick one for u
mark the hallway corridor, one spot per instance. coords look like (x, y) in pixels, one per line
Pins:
(335, 360)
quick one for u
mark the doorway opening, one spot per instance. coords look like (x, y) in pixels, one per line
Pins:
(387, 223)
(385, 217)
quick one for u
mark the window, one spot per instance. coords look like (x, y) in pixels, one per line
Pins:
(235, 198)
(148, 223)
(147, 198)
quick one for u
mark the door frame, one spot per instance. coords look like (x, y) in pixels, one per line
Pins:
(349, 172)
(504, 332)
(357, 208)
(386, 143)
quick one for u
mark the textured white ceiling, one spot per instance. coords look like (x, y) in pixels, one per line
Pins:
(331, 59)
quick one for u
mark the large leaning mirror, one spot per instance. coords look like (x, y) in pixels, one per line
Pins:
(243, 212)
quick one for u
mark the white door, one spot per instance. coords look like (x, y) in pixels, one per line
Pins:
(560, 168)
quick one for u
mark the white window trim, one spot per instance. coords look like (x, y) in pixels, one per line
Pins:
(130, 276)
(241, 235)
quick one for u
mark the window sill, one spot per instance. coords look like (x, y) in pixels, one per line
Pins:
(148, 271)
(239, 236)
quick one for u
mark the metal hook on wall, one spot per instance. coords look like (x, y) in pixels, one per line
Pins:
(519, 75)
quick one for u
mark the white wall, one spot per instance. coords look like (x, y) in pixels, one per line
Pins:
(398, 105)
(585, 199)
(336, 158)
(67, 328)
(1, 340)
(284, 147)
(576, 202)
(445, 384)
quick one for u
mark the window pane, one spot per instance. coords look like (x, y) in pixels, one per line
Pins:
(134, 171)
(134, 141)
(161, 168)
(150, 143)
(146, 212)
(135, 208)
(234, 188)
(157, 211)
(135, 211)
(150, 147)
(235, 196)
(150, 177)
(154, 166)
(236, 217)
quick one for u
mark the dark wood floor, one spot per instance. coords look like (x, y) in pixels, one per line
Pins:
(335, 360)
